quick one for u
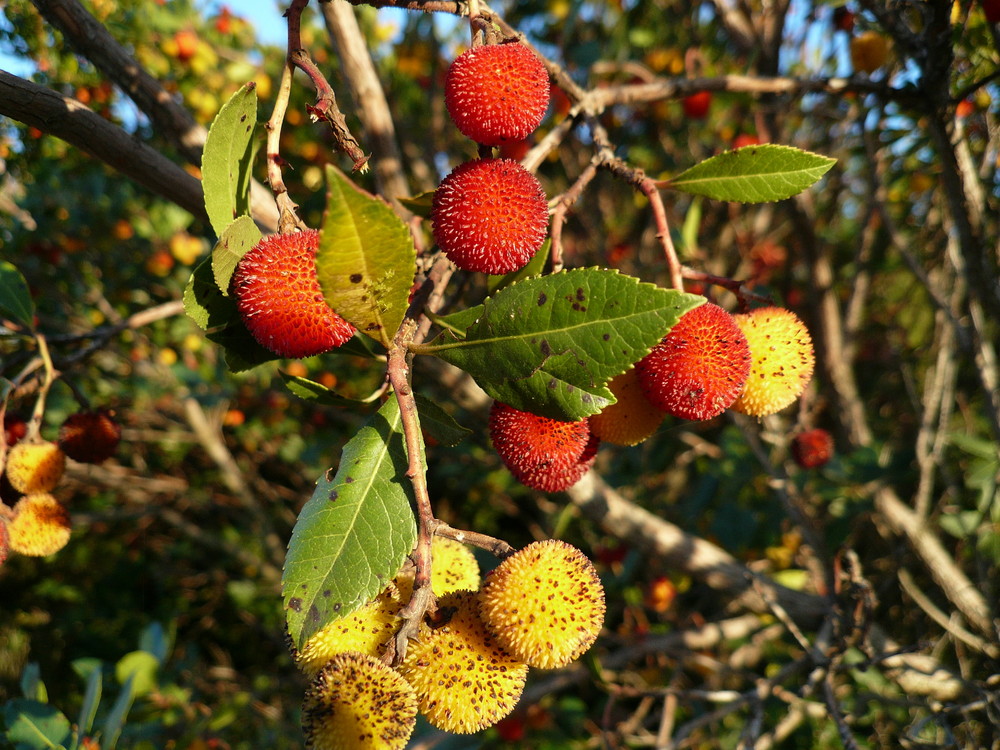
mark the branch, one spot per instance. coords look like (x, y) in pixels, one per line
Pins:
(74, 123)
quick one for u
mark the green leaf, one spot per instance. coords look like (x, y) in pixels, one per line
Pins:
(140, 667)
(242, 352)
(754, 174)
(31, 683)
(549, 345)
(535, 267)
(366, 259)
(237, 239)
(226, 160)
(457, 322)
(439, 424)
(204, 302)
(115, 719)
(15, 299)
(91, 700)
(354, 533)
(32, 725)
(318, 393)
(419, 204)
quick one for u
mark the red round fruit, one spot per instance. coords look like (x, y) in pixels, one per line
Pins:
(279, 298)
(14, 428)
(497, 93)
(490, 215)
(812, 448)
(700, 366)
(545, 454)
(745, 139)
(696, 105)
(90, 436)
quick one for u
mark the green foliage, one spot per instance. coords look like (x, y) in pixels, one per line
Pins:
(15, 301)
(561, 338)
(353, 534)
(753, 174)
(227, 159)
(366, 259)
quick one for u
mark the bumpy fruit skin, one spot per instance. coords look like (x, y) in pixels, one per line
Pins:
(4, 541)
(35, 467)
(544, 604)
(869, 51)
(40, 526)
(542, 453)
(358, 703)
(812, 448)
(463, 679)
(696, 105)
(783, 360)
(700, 366)
(90, 437)
(497, 93)
(632, 418)
(366, 630)
(455, 567)
(490, 215)
(280, 301)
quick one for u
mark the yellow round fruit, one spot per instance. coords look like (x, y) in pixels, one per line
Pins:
(35, 467)
(40, 526)
(358, 703)
(464, 680)
(544, 604)
(632, 418)
(869, 51)
(783, 360)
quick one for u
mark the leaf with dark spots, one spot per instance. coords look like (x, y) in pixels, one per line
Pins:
(295, 604)
(356, 278)
(542, 299)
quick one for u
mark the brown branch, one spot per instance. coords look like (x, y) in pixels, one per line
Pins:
(74, 123)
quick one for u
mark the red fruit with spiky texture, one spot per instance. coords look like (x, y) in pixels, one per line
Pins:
(545, 454)
(699, 368)
(279, 298)
(497, 93)
(812, 448)
(490, 215)
(14, 428)
(90, 436)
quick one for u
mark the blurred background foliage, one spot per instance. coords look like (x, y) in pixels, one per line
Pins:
(178, 541)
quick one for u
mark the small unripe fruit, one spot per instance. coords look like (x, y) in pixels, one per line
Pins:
(544, 604)
(366, 630)
(358, 703)
(812, 448)
(279, 298)
(696, 105)
(869, 51)
(490, 215)
(542, 453)
(90, 436)
(783, 360)
(35, 467)
(700, 366)
(463, 679)
(40, 526)
(632, 418)
(497, 93)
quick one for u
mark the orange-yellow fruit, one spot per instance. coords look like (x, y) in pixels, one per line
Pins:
(699, 368)
(358, 703)
(463, 679)
(35, 467)
(547, 480)
(497, 93)
(783, 360)
(4, 541)
(454, 568)
(40, 525)
(542, 453)
(90, 436)
(279, 298)
(490, 215)
(869, 51)
(366, 630)
(544, 604)
(632, 418)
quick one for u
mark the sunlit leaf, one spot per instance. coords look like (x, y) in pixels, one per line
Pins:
(226, 160)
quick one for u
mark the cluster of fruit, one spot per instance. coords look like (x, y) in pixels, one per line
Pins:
(541, 607)
(32, 521)
(756, 363)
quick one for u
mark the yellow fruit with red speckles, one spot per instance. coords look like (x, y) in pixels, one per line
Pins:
(35, 467)
(40, 525)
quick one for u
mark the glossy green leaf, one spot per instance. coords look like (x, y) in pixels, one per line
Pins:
(754, 174)
(366, 259)
(439, 424)
(419, 204)
(204, 302)
(318, 393)
(15, 300)
(458, 322)
(226, 160)
(549, 345)
(354, 533)
(236, 240)
(241, 350)
(32, 725)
